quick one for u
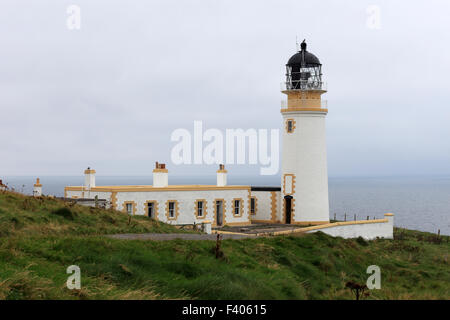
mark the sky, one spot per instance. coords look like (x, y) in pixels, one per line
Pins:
(110, 94)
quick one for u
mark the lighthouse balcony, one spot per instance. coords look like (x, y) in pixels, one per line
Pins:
(303, 85)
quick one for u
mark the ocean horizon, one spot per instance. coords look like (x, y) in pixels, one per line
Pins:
(418, 202)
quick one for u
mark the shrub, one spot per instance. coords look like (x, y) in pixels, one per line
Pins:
(361, 241)
(64, 212)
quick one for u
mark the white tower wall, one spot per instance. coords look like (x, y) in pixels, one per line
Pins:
(304, 166)
(89, 178)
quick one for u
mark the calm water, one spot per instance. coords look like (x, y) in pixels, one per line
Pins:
(420, 203)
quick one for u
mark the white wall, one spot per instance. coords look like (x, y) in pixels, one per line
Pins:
(88, 194)
(263, 205)
(368, 231)
(37, 191)
(305, 155)
(186, 204)
(89, 180)
(279, 207)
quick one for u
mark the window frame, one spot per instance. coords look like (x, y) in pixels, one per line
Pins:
(200, 209)
(239, 208)
(174, 210)
(133, 207)
(290, 125)
(203, 209)
(171, 210)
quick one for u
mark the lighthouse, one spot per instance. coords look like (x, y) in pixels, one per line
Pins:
(37, 188)
(304, 176)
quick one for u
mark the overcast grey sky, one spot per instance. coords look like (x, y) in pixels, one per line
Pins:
(110, 94)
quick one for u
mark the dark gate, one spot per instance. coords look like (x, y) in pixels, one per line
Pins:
(288, 208)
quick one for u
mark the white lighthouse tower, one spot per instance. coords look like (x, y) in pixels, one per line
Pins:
(304, 180)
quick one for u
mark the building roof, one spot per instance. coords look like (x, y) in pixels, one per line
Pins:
(81, 199)
(253, 188)
(152, 188)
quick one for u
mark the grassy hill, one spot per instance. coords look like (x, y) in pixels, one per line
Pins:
(39, 239)
(27, 216)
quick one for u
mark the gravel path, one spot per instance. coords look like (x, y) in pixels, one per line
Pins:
(173, 236)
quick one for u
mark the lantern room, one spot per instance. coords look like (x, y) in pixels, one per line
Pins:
(304, 71)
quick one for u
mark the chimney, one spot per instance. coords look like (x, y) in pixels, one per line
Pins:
(160, 176)
(37, 188)
(221, 176)
(89, 178)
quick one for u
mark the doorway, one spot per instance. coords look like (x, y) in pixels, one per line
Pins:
(219, 213)
(288, 208)
(151, 210)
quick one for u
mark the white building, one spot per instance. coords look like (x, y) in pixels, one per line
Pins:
(302, 198)
(221, 204)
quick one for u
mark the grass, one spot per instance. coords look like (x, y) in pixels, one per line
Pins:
(37, 246)
(27, 216)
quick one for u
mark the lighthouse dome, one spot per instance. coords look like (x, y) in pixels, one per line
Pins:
(304, 58)
(308, 58)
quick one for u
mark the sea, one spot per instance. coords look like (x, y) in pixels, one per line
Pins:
(419, 203)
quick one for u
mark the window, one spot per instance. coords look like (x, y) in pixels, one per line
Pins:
(129, 208)
(199, 208)
(172, 209)
(237, 207)
(290, 125)
(288, 184)
(252, 205)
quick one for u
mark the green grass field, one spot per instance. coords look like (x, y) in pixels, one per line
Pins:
(39, 239)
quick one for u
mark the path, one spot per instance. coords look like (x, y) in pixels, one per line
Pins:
(173, 236)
